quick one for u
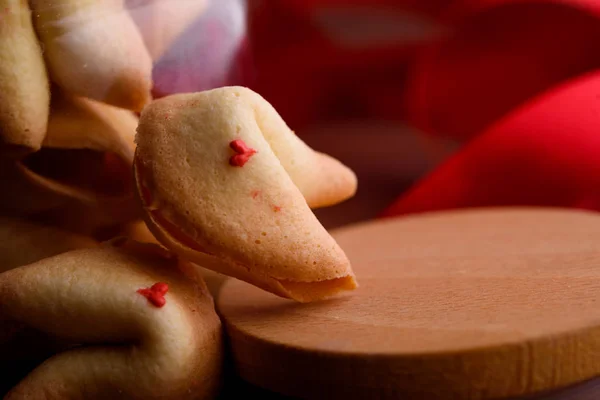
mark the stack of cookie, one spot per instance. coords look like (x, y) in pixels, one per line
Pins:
(72, 77)
(94, 304)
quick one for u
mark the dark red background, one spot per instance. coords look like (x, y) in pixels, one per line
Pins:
(492, 102)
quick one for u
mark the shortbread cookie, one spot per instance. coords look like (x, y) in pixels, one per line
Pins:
(147, 331)
(225, 183)
(24, 91)
(161, 22)
(94, 50)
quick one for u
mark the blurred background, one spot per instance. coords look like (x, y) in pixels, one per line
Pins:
(336, 72)
(435, 104)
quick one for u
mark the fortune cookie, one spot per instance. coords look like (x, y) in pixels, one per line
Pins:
(21, 243)
(138, 231)
(24, 88)
(225, 184)
(94, 50)
(84, 165)
(146, 330)
(161, 22)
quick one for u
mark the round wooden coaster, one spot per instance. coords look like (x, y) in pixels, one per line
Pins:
(477, 304)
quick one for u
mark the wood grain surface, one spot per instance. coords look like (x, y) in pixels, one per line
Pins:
(478, 304)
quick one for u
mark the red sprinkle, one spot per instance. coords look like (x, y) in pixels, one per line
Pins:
(255, 194)
(276, 208)
(243, 153)
(156, 294)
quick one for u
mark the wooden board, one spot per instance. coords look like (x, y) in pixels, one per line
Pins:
(490, 303)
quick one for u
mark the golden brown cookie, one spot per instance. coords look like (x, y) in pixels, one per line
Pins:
(94, 49)
(23, 242)
(83, 166)
(24, 92)
(138, 231)
(148, 331)
(225, 183)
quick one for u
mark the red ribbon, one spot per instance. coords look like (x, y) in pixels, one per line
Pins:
(502, 53)
(545, 153)
(519, 83)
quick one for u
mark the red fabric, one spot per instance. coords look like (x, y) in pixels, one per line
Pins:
(519, 83)
(545, 153)
(310, 75)
(431, 7)
(501, 53)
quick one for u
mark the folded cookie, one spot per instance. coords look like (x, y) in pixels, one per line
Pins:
(24, 92)
(21, 243)
(225, 183)
(146, 330)
(94, 50)
(161, 22)
(84, 164)
(139, 231)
